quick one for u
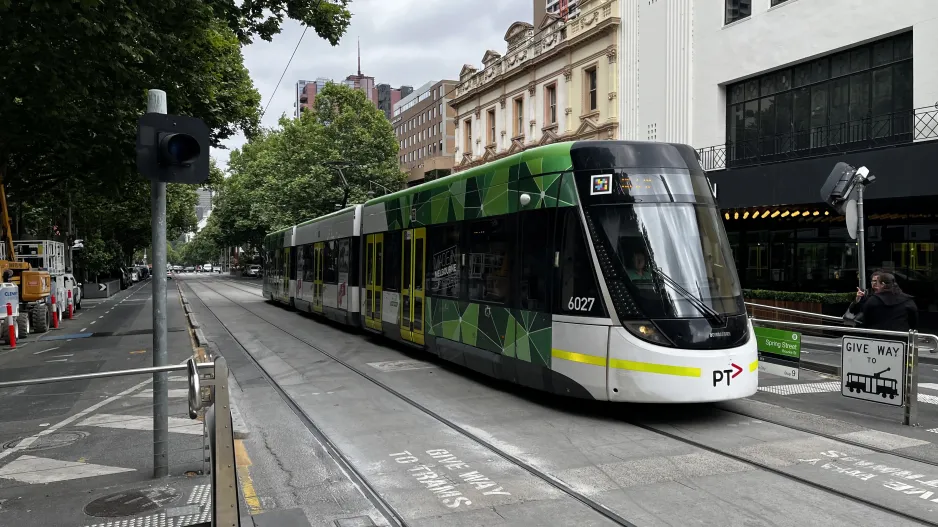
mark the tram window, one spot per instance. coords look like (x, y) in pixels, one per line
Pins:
(536, 259)
(392, 261)
(578, 293)
(444, 270)
(344, 258)
(489, 260)
(308, 269)
(329, 258)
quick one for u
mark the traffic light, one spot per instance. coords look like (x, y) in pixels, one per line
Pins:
(840, 186)
(172, 148)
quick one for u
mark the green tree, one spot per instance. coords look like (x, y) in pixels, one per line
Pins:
(73, 82)
(286, 175)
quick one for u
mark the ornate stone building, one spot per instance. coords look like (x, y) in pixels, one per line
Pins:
(556, 82)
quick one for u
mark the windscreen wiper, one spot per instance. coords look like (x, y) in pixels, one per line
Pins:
(709, 313)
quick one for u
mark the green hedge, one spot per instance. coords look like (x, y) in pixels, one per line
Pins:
(795, 296)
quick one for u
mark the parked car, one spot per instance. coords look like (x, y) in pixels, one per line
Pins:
(72, 284)
(252, 271)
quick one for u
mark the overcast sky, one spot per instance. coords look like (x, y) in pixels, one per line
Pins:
(403, 42)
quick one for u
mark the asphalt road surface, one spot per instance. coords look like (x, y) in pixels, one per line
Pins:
(349, 428)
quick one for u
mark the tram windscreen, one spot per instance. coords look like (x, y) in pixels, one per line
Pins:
(667, 245)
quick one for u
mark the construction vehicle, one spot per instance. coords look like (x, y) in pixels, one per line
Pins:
(34, 285)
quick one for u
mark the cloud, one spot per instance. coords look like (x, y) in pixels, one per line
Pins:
(403, 42)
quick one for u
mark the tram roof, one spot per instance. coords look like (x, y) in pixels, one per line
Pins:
(540, 160)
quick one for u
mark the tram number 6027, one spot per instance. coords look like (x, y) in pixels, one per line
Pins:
(580, 303)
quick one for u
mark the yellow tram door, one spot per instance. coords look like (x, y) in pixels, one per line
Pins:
(317, 276)
(412, 284)
(374, 280)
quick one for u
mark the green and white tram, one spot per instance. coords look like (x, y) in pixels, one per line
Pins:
(595, 269)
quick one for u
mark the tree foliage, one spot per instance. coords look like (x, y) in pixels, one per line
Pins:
(73, 83)
(289, 174)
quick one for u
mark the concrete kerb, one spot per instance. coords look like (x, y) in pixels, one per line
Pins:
(209, 350)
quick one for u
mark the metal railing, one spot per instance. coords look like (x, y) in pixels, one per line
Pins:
(207, 390)
(866, 133)
(913, 339)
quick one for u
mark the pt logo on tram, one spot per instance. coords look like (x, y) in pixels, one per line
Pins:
(719, 375)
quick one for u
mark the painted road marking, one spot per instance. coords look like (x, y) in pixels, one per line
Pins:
(25, 443)
(928, 385)
(50, 349)
(179, 393)
(93, 321)
(102, 316)
(797, 389)
(243, 462)
(834, 386)
(82, 330)
(142, 422)
(69, 355)
(58, 360)
(39, 470)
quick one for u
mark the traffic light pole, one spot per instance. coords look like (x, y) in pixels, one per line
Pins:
(156, 103)
(861, 237)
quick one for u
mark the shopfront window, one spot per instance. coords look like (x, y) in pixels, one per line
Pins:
(855, 97)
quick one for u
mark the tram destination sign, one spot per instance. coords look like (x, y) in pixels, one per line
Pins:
(779, 352)
(873, 370)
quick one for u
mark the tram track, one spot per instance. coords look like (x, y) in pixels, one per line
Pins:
(372, 494)
(831, 437)
(558, 484)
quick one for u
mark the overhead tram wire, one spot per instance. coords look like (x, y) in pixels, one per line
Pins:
(285, 68)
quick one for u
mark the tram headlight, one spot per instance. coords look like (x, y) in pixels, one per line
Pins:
(647, 331)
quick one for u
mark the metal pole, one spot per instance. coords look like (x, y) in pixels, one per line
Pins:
(156, 103)
(911, 379)
(861, 237)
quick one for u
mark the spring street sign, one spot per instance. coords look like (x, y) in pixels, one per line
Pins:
(779, 342)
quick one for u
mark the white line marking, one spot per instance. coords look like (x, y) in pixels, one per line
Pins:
(142, 422)
(928, 385)
(173, 392)
(82, 330)
(50, 349)
(58, 360)
(29, 469)
(102, 316)
(93, 321)
(32, 439)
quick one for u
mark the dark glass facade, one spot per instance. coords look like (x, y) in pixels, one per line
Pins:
(781, 251)
(860, 97)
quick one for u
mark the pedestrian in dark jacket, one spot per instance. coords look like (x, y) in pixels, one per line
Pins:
(888, 308)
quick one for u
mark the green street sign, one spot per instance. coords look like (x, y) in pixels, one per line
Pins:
(779, 342)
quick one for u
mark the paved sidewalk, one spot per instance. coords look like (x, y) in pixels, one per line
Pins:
(90, 443)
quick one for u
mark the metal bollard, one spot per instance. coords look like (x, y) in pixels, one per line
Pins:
(910, 416)
(11, 325)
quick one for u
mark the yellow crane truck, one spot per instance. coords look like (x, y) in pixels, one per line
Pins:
(34, 285)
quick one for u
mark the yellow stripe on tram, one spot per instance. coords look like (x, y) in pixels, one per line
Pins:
(754, 366)
(578, 357)
(647, 367)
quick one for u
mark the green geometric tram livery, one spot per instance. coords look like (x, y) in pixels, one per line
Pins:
(594, 269)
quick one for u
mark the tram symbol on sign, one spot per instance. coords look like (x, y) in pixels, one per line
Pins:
(873, 384)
